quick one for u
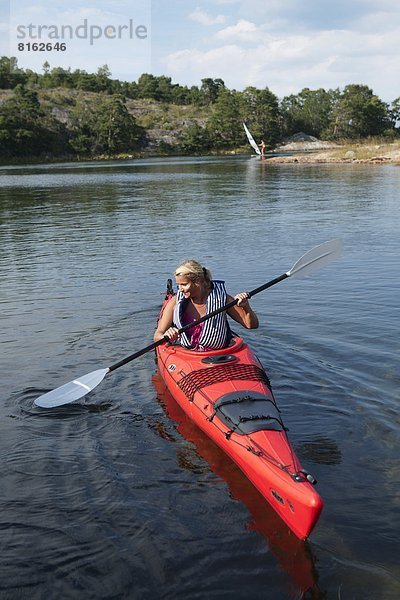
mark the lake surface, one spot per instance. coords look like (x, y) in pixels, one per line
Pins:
(120, 496)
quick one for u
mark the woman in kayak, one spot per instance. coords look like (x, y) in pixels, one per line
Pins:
(198, 294)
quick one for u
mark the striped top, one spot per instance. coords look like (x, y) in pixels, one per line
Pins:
(215, 332)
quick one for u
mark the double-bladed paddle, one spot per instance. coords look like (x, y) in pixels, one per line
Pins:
(311, 261)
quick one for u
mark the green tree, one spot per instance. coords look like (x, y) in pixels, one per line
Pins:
(147, 86)
(44, 80)
(85, 81)
(195, 139)
(180, 95)
(103, 79)
(309, 111)
(33, 79)
(224, 125)
(211, 89)
(59, 77)
(158, 88)
(395, 112)
(359, 113)
(260, 110)
(130, 90)
(104, 126)
(164, 89)
(195, 96)
(26, 129)
(10, 74)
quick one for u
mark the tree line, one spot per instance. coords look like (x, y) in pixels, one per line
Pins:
(147, 86)
(102, 123)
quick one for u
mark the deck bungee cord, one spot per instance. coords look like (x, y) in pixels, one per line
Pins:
(255, 448)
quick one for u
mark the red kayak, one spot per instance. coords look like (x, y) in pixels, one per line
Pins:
(293, 555)
(228, 395)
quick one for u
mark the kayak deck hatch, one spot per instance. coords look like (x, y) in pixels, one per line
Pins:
(247, 412)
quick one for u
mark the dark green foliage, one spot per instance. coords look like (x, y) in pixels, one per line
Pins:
(104, 126)
(225, 123)
(359, 113)
(395, 111)
(163, 90)
(26, 129)
(101, 126)
(99, 123)
(10, 75)
(309, 111)
(195, 140)
(210, 90)
(260, 110)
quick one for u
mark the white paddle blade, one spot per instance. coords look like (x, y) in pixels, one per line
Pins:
(316, 258)
(72, 391)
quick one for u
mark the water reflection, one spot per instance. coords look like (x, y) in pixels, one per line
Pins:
(295, 556)
(320, 450)
(84, 252)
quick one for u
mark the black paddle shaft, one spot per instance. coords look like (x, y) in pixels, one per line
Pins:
(154, 345)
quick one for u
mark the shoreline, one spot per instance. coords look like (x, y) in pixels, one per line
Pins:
(363, 153)
(325, 158)
(376, 154)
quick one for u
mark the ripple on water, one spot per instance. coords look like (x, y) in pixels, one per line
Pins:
(114, 498)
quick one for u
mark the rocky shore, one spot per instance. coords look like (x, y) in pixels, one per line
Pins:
(302, 148)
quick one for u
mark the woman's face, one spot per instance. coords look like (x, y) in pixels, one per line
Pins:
(188, 288)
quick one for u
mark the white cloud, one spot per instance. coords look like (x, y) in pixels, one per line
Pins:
(328, 59)
(207, 64)
(202, 17)
(243, 31)
(379, 21)
(293, 16)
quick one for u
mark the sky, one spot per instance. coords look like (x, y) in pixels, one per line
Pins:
(285, 45)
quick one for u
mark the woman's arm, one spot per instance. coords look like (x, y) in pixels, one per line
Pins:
(242, 312)
(164, 325)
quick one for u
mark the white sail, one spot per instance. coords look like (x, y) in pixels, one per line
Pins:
(251, 139)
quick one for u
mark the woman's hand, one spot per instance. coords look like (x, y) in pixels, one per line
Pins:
(242, 311)
(164, 325)
(172, 333)
(243, 299)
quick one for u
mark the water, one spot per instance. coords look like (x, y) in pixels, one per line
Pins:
(121, 496)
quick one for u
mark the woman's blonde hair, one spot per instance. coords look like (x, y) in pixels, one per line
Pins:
(193, 270)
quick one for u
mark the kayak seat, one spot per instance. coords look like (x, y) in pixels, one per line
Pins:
(219, 359)
(245, 412)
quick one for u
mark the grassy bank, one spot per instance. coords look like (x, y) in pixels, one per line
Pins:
(371, 152)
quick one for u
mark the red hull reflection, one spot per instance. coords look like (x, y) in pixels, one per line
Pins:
(293, 554)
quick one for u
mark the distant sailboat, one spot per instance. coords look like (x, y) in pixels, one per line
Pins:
(251, 140)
